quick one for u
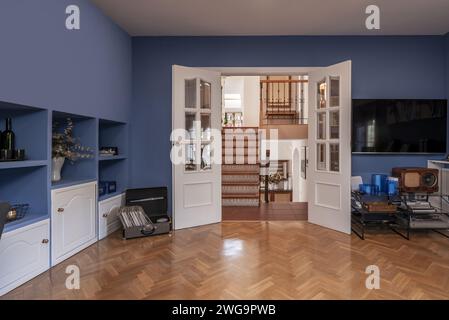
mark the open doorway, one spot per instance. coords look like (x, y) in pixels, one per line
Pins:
(198, 153)
(265, 119)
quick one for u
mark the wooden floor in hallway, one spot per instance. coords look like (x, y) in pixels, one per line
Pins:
(252, 260)
(272, 211)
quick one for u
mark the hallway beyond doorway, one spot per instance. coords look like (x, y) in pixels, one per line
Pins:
(267, 211)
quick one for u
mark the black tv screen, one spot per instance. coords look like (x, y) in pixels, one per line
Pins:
(399, 126)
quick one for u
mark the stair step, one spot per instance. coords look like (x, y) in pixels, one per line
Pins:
(240, 167)
(240, 202)
(243, 179)
(245, 146)
(240, 189)
(244, 160)
(240, 196)
(239, 183)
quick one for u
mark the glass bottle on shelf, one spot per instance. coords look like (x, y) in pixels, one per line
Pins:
(8, 137)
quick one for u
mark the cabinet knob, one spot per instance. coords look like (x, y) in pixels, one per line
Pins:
(60, 210)
(105, 215)
(45, 241)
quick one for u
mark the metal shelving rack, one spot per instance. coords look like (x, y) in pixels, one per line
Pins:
(404, 220)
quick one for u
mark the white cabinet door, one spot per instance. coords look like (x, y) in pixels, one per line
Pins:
(24, 254)
(73, 224)
(108, 220)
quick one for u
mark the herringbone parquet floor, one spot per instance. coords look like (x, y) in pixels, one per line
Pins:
(252, 260)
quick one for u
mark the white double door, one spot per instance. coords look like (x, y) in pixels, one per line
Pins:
(196, 147)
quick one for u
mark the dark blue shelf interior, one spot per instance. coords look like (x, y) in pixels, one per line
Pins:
(26, 185)
(85, 129)
(113, 168)
(113, 134)
(30, 126)
(114, 171)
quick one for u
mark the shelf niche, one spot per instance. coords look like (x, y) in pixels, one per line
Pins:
(113, 171)
(113, 168)
(82, 170)
(30, 126)
(113, 134)
(26, 185)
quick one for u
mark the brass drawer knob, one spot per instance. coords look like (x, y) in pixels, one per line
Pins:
(45, 241)
(60, 210)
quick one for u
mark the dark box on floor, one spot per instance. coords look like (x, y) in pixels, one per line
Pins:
(155, 204)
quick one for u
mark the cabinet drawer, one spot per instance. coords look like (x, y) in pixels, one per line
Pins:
(24, 254)
(73, 220)
(108, 220)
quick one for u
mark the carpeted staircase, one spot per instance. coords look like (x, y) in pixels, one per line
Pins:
(240, 167)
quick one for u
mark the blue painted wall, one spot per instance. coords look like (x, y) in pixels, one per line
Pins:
(383, 67)
(43, 64)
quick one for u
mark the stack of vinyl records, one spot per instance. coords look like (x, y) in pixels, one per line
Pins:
(134, 216)
(421, 207)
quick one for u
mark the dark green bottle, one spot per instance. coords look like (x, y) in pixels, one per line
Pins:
(8, 138)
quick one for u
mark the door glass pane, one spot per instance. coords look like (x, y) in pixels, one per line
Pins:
(321, 94)
(334, 92)
(334, 157)
(321, 156)
(205, 126)
(190, 163)
(205, 156)
(321, 125)
(205, 94)
(190, 93)
(190, 125)
(334, 124)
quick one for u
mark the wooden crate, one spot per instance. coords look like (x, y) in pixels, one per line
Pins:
(380, 207)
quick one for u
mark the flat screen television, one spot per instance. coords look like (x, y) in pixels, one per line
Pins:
(399, 126)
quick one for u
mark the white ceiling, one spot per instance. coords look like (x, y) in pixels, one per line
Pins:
(275, 17)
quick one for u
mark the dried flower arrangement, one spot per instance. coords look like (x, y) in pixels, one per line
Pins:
(65, 145)
(274, 178)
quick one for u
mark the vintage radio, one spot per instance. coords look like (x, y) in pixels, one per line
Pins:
(419, 180)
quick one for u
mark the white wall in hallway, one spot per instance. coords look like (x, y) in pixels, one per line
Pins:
(285, 151)
(248, 87)
(251, 101)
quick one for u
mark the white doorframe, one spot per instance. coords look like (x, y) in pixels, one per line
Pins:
(251, 71)
(260, 71)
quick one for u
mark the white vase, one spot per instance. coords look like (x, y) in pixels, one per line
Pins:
(56, 166)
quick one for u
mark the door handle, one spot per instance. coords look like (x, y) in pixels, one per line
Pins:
(60, 210)
(45, 241)
(105, 215)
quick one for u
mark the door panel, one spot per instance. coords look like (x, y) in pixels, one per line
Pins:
(196, 112)
(329, 172)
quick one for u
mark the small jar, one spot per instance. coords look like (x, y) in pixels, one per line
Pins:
(11, 215)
